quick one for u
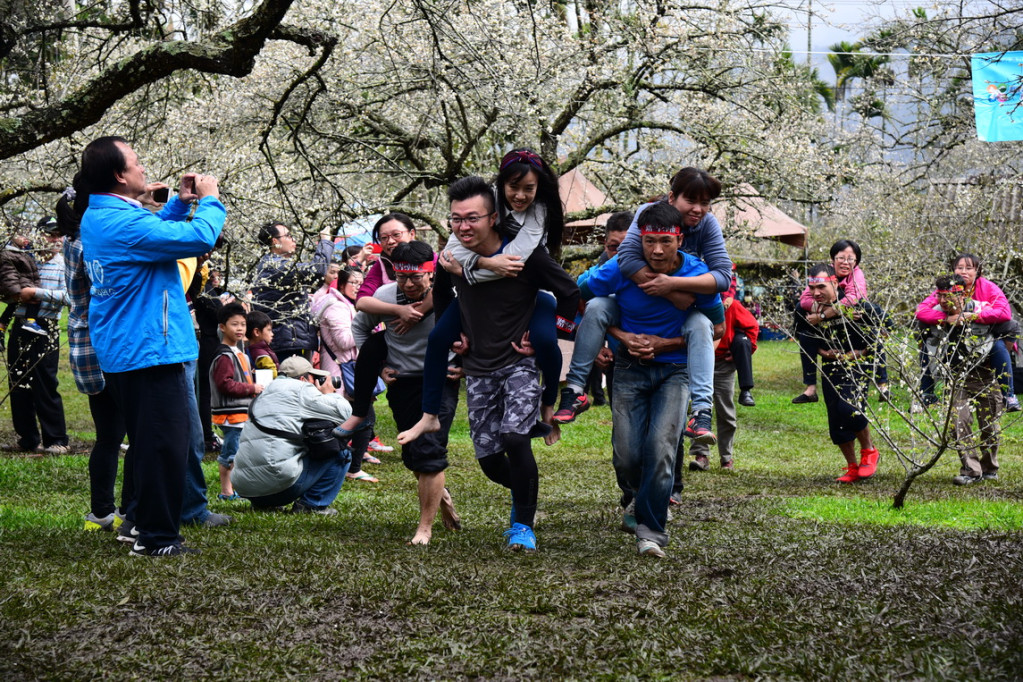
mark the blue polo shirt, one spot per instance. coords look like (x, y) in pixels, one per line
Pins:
(655, 315)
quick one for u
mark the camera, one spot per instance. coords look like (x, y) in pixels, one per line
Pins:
(161, 195)
(335, 381)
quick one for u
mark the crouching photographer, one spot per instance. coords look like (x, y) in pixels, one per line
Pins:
(287, 451)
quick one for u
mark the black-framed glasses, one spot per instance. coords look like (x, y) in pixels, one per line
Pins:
(415, 279)
(473, 220)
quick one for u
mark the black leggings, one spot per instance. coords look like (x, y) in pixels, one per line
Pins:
(106, 451)
(515, 468)
(369, 364)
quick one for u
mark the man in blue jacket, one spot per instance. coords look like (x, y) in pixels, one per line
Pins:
(140, 324)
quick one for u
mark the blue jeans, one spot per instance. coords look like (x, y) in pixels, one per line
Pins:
(699, 335)
(228, 450)
(698, 332)
(316, 487)
(600, 314)
(647, 428)
(193, 504)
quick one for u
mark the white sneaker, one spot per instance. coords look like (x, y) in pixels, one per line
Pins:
(93, 522)
(376, 446)
(649, 548)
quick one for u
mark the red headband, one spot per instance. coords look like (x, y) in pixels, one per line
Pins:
(412, 268)
(953, 289)
(675, 230)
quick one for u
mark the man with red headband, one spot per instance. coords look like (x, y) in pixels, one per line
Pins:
(427, 456)
(651, 374)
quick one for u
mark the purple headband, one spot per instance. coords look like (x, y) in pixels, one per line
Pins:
(522, 156)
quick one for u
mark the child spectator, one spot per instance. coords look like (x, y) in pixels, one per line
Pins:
(259, 331)
(232, 390)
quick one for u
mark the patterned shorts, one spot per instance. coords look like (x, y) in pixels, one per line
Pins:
(505, 401)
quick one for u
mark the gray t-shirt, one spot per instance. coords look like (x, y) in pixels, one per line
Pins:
(405, 352)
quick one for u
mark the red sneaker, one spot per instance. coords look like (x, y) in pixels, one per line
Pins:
(572, 405)
(868, 462)
(852, 474)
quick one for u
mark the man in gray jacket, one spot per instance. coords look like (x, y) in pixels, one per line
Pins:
(427, 456)
(272, 470)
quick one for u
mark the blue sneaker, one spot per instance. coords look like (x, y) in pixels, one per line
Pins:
(629, 518)
(521, 537)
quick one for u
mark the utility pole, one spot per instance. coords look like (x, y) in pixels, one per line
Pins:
(809, 30)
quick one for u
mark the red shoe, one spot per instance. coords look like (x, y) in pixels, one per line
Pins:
(572, 405)
(852, 474)
(868, 462)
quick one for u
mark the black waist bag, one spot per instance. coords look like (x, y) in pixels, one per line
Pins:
(317, 435)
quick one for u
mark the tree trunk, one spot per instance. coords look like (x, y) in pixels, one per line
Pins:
(899, 501)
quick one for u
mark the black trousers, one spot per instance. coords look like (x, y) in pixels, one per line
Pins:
(207, 351)
(742, 358)
(32, 375)
(155, 404)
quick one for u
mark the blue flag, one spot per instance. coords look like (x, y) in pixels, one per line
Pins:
(997, 85)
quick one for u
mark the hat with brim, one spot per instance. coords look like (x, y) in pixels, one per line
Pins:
(48, 224)
(296, 367)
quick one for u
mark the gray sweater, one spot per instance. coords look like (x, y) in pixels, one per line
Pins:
(405, 352)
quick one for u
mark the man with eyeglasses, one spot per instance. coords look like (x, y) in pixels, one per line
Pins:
(281, 289)
(427, 456)
(503, 385)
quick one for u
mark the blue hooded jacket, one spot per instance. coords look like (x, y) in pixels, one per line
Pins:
(138, 316)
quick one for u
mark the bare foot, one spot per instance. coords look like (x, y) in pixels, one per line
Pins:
(448, 515)
(430, 423)
(547, 417)
(352, 423)
(422, 537)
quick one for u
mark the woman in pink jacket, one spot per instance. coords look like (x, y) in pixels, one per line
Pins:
(993, 309)
(845, 258)
(333, 308)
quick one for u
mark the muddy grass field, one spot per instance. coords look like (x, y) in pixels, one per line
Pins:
(773, 572)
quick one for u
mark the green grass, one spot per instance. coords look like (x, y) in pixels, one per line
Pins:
(959, 514)
(773, 572)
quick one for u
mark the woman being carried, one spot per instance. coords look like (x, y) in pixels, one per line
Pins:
(845, 261)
